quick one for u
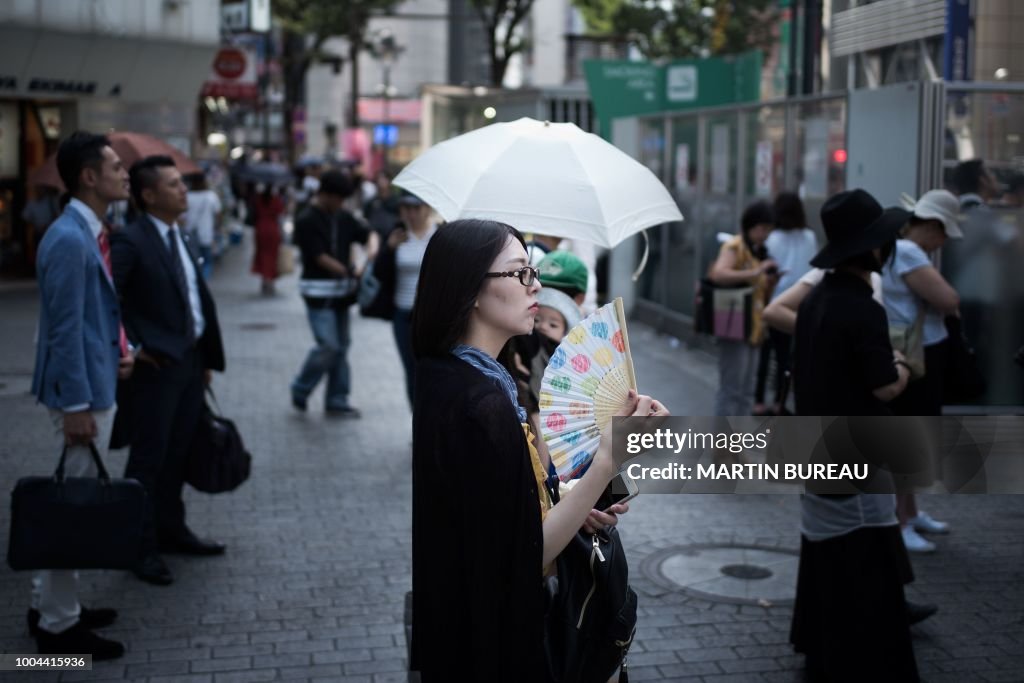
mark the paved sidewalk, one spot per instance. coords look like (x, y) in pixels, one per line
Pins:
(318, 555)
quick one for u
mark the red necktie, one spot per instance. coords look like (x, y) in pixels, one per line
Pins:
(104, 242)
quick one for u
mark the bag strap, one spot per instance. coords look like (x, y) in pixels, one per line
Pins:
(213, 397)
(918, 326)
(101, 470)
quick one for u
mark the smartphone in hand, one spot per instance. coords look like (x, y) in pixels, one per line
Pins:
(620, 489)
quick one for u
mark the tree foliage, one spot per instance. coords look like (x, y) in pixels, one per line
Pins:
(684, 28)
(502, 21)
(308, 24)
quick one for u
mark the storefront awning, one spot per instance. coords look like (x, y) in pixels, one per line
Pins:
(45, 64)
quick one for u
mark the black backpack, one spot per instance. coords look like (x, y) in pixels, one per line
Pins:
(591, 617)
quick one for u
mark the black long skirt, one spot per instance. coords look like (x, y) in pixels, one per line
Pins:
(850, 615)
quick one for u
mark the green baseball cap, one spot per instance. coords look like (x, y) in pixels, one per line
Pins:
(563, 270)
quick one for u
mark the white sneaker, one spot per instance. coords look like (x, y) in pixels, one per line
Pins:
(927, 524)
(916, 543)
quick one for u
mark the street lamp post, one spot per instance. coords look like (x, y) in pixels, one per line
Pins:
(386, 49)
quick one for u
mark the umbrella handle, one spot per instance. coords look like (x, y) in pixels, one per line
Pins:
(643, 261)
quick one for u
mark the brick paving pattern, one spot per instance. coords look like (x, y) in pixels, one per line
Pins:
(318, 540)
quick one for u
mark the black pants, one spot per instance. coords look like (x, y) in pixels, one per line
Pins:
(782, 344)
(167, 402)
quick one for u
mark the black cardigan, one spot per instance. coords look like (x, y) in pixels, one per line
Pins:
(478, 605)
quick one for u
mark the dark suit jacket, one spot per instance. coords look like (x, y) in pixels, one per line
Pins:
(153, 307)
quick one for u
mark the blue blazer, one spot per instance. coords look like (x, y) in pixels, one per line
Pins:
(78, 349)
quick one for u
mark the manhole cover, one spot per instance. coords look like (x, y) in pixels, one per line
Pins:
(738, 574)
(746, 571)
(258, 327)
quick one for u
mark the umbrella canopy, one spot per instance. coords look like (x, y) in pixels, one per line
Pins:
(549, 178)
(131, 147)
(310, 160)
(268, 172)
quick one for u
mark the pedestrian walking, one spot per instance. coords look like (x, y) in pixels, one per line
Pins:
(325, 234)
(382, 210)
(80, 354)
(268, 209)
(791, 245)
(404, 255)
(201, 219)
(917, 301)
(743, 261)
(170, 316)
(984, 269)
(850, 617)
(473, 465)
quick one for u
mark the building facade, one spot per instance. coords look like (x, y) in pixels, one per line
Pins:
(133, 65)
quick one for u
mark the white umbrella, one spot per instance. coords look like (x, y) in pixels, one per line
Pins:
(548, 178)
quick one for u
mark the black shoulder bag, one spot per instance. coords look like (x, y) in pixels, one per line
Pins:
(60, 522)
(963, 380)
(591, 618)
(217, 459)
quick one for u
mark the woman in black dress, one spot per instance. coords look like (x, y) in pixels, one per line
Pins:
(482, 534)
(850, 618)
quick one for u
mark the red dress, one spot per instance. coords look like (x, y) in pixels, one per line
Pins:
(268, 236)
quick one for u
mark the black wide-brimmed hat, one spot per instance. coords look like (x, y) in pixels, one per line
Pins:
(856, 223)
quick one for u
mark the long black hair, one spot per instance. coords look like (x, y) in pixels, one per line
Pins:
(458, 256)
(789, 211)
(760, 212)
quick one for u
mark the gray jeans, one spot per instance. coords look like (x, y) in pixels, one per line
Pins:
(737, 373)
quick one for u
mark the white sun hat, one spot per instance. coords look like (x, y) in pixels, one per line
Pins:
(940, 205)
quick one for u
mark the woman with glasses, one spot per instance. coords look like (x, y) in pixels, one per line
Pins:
(483, 528)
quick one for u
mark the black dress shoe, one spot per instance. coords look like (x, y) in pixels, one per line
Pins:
(89, 618)
(191, 545)
(80, 641)
(917, 612)
(152, 569)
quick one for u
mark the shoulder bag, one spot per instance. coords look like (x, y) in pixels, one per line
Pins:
(591, 617)
(60, 522)
(910, 342)
(724, 312)
(377, 286)
(217, 461)
(963, 380)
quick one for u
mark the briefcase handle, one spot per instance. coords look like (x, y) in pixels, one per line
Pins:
(103, 476)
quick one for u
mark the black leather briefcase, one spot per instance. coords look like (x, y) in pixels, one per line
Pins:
(63, 522)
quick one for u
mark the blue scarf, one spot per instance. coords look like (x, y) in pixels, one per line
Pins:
(494, 371)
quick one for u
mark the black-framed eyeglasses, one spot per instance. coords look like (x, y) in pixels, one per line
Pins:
(527, 275)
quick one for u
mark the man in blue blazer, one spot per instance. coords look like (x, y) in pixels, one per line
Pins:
(79, 357)
(171, 318)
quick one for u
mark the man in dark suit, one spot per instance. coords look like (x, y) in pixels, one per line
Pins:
(79, 357)
(170, 317)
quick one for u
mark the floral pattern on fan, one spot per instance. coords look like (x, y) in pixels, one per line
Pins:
(586, 381)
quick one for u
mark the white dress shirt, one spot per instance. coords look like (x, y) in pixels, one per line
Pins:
(90, 217)
(190, 273)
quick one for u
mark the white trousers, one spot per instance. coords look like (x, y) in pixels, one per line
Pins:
(55, 592)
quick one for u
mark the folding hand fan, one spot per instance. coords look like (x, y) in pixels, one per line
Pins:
(586, 382)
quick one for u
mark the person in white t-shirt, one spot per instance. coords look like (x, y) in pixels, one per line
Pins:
(204, 209)
(912, 287)
(408, 242)
(791, 245)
